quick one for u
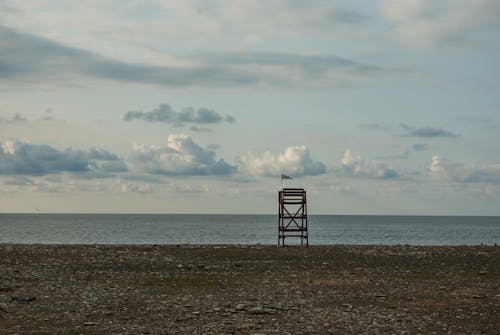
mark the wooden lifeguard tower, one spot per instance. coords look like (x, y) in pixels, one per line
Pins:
(292, 215)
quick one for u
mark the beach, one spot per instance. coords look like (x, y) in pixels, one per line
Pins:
(249, 289)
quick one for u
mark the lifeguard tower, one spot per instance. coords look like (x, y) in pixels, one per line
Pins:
(292, 216)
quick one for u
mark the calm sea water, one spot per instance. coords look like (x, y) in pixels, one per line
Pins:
(244, 229)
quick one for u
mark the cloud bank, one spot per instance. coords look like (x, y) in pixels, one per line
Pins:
(22, 158)
(180, 157)
(26, 58)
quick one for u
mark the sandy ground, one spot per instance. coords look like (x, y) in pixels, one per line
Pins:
(47, 289)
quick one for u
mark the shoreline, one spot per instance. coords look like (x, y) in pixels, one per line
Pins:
(248, 289)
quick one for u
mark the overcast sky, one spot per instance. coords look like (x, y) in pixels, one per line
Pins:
(374, 107)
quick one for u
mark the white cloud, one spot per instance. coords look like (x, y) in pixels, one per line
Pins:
(8, 147)
(353, 165)
(181, 156)
(444, 170)
(438, 170)
(294, 160)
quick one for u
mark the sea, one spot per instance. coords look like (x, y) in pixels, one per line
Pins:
(199, 229)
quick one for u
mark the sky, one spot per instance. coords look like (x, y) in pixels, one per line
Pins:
(374, 107)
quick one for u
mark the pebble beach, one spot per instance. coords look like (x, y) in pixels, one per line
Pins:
(254, 289)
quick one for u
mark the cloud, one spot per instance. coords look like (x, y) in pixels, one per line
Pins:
(448, 23)
(483, 122)
(348, 16)
(438, 170)
(288, 15)
(20, 181)
(23, 158)
(426, 132)
(294, 160)
(420, 147)
(181, 156)
(312, 64)
(142, 188)
(353, 165)
(16, 118)
(26, 58)
(483, 174)
(164, 113)
(38, 185)
(408, 150)
(443, 170)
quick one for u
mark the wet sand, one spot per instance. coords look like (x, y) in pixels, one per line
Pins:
(97, 289)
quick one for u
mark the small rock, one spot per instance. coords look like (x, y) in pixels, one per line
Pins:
(260, 311)
(89, 323)
(3, 308)
(5, 298)
(277, 306)
(347, 306)
(256, 310)
(240, 307)
(28, 299)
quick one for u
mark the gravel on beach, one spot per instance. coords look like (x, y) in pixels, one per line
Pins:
(156, 289)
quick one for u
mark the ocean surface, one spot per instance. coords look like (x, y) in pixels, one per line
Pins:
(175, 229)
